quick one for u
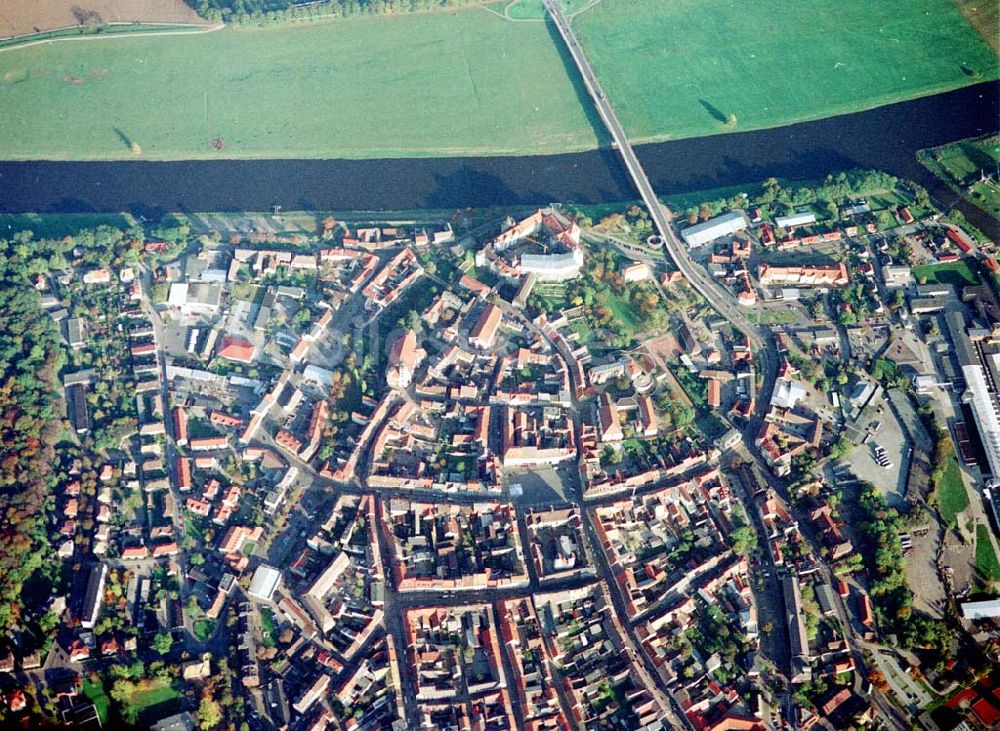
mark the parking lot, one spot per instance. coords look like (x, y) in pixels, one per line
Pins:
(886, 432)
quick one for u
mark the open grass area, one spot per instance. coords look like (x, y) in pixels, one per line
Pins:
(953, 498)
(156, 693)
(680, 68)
(445, 83)
(956, 272)
(95, 692)
(159, 693)
(267, 629)
(625, 313)
(961, 166)
(986, 557)
(473, 81)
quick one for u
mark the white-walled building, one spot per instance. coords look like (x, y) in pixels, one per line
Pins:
(714, 228)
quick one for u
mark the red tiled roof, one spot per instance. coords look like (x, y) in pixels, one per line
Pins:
(236, 348)
(404, 351)
(485, 329)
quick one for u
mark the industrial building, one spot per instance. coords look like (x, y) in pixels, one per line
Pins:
(796, 219)
(980, 387)
(714, 228)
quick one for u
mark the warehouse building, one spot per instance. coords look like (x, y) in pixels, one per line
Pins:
(714, 228)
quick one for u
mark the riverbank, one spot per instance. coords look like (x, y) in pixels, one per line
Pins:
(969, 168)
(885, 139)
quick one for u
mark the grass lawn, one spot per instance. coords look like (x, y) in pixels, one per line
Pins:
(471, 81)
(95, 692)
(986, 557)
(444, 83)
(625, 313)
(267, 628)
(956, 272)
(160, 693)
(155, 693)
(688, 64)
(774, 316)
(953, 498)
(960, 165)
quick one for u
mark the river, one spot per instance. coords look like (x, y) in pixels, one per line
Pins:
(886, 138)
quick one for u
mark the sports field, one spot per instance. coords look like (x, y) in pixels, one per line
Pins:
(476, 81)
(457, 83)
(680, 68)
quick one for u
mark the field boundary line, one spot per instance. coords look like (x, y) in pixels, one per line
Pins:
(110, 36)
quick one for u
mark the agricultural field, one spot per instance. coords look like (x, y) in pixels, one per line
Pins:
(962, 166)
(446, 83)
(483, 80)
(681, 68)
(24, 18)
(984, 17)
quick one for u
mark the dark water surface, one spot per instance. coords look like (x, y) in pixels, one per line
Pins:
(886, 138)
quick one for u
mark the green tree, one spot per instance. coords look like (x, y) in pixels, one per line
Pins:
(209, 714)
(162, 642)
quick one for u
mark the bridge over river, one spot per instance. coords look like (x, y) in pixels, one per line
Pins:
(662, 218)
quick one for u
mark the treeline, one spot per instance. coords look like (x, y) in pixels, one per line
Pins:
(264, 12)
(833, 191)
(30, 359)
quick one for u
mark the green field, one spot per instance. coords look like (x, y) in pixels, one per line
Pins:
(95, 692)
(956, 272)
(472, 81)
(986, 557)
(953, 498)
(447, 83)
(689, 64)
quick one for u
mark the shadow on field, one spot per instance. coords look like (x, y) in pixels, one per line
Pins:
(716, 113)
(582, 95)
